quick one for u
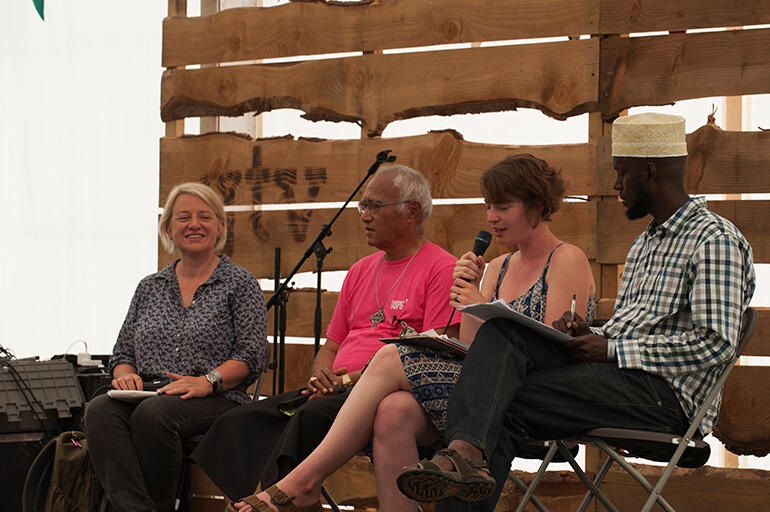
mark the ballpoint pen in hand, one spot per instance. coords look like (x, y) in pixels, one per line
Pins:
(572, 315)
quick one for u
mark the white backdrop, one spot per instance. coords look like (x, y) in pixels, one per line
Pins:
(79, 130)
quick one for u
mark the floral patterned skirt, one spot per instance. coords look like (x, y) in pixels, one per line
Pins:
(432, 376)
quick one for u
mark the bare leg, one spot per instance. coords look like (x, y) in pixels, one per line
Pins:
(350, 431)
(400, 426)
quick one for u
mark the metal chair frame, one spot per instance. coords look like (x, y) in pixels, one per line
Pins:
(611, 442)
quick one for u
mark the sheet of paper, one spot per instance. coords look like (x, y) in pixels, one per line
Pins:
(500, 309)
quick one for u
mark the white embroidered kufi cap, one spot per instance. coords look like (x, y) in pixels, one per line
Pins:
(649, 135)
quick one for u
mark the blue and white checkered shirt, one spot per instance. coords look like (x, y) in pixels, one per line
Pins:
(685, 285)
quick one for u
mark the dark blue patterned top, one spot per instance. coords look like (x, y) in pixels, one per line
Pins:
(532, 302)
(226, 320)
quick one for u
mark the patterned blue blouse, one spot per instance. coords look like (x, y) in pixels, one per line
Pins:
(226, 320)
(532, 302)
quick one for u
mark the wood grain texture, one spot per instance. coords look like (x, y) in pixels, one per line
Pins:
(744, 416)
(625, 16)
(308, 28)
(660, 70)
(615, 233)
(297, 368)
(561, 79)
(252, 236)
(760, 340)
(284, 170)
(300, 312)
(719, 162)
(691, 490)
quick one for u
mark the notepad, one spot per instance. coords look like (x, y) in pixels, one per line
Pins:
(501, 309)
(130, 395)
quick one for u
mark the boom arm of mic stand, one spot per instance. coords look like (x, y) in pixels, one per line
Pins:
(382, 157)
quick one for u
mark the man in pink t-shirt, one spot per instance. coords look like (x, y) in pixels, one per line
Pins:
(406, 282)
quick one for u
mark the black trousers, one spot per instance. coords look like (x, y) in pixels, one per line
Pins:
(516, 385)
(249, 444)
(136, 449)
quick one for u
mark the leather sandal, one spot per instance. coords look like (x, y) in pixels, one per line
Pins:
(427, 482)
(280, 499)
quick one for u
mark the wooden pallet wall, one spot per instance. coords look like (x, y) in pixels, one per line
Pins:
(601, 73)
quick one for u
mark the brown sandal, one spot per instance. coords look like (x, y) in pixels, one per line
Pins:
(427, 482)
(280, 499)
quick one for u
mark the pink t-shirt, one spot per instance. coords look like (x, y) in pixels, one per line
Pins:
(420, 298)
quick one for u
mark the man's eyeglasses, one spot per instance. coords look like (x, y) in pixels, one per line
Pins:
(373, 206)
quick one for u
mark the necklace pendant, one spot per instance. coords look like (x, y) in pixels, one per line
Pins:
(377, 318)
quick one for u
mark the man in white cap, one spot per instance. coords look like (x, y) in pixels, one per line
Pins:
(686, 282)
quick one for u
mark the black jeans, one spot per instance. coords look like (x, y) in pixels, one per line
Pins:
(516, 385)
(136, 449)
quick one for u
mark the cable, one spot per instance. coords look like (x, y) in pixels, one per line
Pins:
(74, 343)
(6, 353)
(46, 420)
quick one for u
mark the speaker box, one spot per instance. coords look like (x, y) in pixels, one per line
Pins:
(17, 452)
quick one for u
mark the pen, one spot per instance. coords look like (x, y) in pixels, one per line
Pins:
(572, 314)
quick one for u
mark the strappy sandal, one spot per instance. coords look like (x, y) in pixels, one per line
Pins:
(427, 482)
(280, 499)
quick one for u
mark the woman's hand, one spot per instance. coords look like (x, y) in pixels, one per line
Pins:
(187, 386)
(470, 268)
(128, 381)
(467, 275)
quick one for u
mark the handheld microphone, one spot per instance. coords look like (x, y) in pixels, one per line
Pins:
(481, 242)
(480, 246)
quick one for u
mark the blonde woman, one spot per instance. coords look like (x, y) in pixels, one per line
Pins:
(201, 323)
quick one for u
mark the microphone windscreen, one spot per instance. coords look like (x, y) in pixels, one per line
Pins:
(481, 242)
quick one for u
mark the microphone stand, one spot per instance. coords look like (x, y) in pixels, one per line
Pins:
(317, 247)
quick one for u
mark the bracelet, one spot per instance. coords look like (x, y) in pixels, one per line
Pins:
(612, 346)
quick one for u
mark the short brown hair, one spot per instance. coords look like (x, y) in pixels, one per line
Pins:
(528, 179)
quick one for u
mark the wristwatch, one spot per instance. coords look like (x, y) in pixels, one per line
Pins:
(215, 378)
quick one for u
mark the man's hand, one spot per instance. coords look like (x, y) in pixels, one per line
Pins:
(565, 323)
(187, 386)
(588, 347)
(322, 382)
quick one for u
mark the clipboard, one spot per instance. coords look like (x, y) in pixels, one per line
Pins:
(434, 341)
(501, 309)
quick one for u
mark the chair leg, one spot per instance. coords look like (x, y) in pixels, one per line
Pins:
(329, 500)
(592, 488)
(523, 488)
(654, 496)
(528, 491)
(598, 479)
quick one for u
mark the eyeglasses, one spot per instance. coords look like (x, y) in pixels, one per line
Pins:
(373, 206)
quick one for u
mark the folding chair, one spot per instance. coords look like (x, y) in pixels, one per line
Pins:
(684, 451)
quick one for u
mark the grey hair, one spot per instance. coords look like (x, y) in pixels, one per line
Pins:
(412, 186)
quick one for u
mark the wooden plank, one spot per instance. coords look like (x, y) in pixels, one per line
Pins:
(561, 79)
(744, 416)
(615, 233)
(626, 16)
(691, 490)
(664, 69)
(300, 312)
(760, 341)
(308, 28)
(252, 236)
(297, 368)
(284, 170)
(719, 162)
